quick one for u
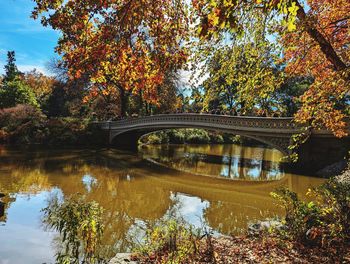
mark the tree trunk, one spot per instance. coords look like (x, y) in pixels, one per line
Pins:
(324, 44)
(122, 102)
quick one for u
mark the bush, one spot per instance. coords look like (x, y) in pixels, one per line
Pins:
(79, 224)
(197, 136)
(170, 242)
(176, 136)
(66, 130)
(324, 220)
(153, 139)
(22, 124)
(187, 135)
(26, 124)
(16, 92)
(216, 138)
(232, 139)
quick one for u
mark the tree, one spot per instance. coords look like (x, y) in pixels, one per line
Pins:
(13, 90)
(243, 69)
(16, 92)
(315, 43)
(235, 73)
(11, 71)
(122, 47)
(40, 84)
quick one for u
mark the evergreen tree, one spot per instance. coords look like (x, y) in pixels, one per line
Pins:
(11, 70)
(13, 90)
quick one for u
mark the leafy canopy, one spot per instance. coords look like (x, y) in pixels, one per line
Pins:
(315, 43)
(119, 45)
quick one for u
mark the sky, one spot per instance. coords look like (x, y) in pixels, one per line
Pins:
(34, 44)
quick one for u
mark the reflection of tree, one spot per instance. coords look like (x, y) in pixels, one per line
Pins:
(2, 209)
(21, 180)
(230, 161)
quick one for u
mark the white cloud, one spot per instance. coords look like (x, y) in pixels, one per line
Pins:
(28, 67)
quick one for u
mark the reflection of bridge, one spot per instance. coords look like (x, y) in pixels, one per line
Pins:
(321, 149)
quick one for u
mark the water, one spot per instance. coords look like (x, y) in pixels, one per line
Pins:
(136, 190)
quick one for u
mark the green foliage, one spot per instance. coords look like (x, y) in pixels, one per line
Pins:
(79, 224)
(189, 136)
(154, 139)
(324, 220)
(197, 136)
(216, 138)
(66, 130)
(244, 72)
(176, 136)
(11, 71)
(170, 242)
(160, 137)
(16, 92)
(290, 91)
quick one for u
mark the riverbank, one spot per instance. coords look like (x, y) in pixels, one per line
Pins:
(245, 249)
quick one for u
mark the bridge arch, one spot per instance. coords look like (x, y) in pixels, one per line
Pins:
(128, 139)
(275, 132)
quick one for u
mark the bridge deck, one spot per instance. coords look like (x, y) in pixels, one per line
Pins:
(265, 125)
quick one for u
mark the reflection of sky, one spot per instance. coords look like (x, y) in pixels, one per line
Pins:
(22, 237)
(89, 181)
(190, 208)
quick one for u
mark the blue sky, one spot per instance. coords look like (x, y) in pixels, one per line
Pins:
(34, 44)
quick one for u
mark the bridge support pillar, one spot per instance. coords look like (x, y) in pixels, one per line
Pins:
(126, 141)
(319, 152)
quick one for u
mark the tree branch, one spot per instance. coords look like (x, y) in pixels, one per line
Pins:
(324, 44)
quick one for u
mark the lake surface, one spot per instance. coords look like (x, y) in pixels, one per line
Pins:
(223, 187)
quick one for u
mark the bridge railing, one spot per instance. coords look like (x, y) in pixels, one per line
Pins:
(270, 123)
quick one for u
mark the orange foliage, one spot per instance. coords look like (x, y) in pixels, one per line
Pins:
(305, 57)
(126, 44)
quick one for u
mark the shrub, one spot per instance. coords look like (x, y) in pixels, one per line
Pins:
(160, 137)
(176, 136)
(232, 139)
(324, 220)
(197, 136)
(79, 224)
(153, 138)
(66, 130)
(170, 241)
(216, 138)
(22, 124)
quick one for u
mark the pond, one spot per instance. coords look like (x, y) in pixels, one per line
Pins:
(223, 187)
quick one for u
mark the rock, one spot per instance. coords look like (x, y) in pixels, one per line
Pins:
(122, 258)
(344, 177)
(260, 226)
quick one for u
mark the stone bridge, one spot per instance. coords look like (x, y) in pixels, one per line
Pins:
(321, 149)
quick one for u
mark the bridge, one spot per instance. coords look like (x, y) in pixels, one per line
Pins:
(321, 149)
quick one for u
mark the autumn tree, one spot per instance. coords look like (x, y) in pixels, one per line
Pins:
(121, 47)
(40, 84)
(315, 37)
